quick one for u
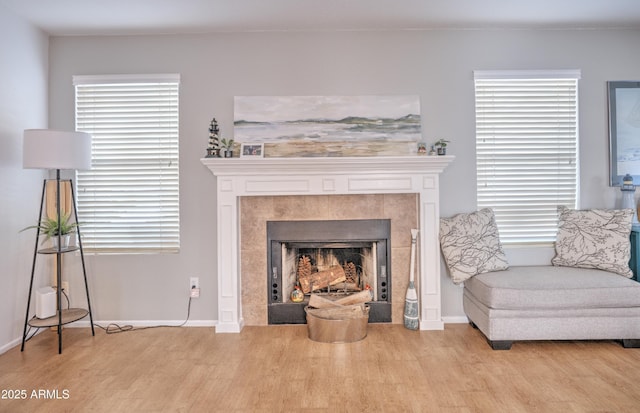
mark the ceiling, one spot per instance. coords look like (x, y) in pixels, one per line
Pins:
(112, 17)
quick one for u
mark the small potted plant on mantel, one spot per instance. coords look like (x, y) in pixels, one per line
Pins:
(49, 228)
(441, 146)
(227, 147)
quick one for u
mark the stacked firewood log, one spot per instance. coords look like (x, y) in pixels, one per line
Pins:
(350, 306)
(336, 275)
(321, 279)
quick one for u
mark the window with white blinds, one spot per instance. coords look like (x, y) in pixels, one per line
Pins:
(527, 150)
(129, 201)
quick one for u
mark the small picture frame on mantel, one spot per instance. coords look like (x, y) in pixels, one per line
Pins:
(252, 150)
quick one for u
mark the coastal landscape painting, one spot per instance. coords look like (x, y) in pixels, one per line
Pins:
(329, 125)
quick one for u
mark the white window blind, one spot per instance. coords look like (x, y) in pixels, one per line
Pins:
(129, 201)
(526, 150)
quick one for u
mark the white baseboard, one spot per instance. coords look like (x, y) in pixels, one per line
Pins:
(10, 345)
(17, 342)
(145, 323)
(135, 323)
(192, 323)
(199, 323)
(455, 320)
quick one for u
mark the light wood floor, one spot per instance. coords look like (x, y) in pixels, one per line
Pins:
(278, 369)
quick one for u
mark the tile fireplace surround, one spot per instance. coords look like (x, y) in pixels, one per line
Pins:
(300, 177)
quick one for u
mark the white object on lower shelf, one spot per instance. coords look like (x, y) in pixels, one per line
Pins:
(45, 302)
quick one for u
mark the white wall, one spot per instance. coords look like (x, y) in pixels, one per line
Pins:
(23, 105)
(437, 65)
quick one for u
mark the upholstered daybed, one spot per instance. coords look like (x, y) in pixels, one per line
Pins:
(553, 303)
(586, 294)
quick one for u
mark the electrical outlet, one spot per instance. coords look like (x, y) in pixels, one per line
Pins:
(194, 287)
(65, 286)
(194, 282)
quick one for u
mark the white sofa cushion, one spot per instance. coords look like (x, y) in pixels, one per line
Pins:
(549, 287)
(596, 238)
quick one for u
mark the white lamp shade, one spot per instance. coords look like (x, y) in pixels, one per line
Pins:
(53, 149)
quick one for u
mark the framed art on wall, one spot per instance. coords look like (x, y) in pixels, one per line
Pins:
(624, 131)
(308, 126)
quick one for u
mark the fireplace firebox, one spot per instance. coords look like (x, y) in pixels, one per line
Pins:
(329, 258)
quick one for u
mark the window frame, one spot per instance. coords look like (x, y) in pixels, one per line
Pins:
(538, 226)
(140, 190)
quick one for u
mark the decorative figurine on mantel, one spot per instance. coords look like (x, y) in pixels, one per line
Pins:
(213, 149)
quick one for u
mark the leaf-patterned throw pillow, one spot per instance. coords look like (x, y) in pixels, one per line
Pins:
(470, 244)
(595, 238)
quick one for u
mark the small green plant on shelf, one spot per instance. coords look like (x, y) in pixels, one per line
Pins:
(227, 147)
(49, 227)
(441, 145)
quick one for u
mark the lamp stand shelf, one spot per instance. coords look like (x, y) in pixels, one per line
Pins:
(62, 316)
(68, 316)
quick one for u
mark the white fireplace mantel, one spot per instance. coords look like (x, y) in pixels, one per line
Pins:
(237, 177)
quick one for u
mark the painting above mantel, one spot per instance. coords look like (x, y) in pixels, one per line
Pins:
(320, 126)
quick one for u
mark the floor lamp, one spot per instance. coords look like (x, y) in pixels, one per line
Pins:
(51, 149)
